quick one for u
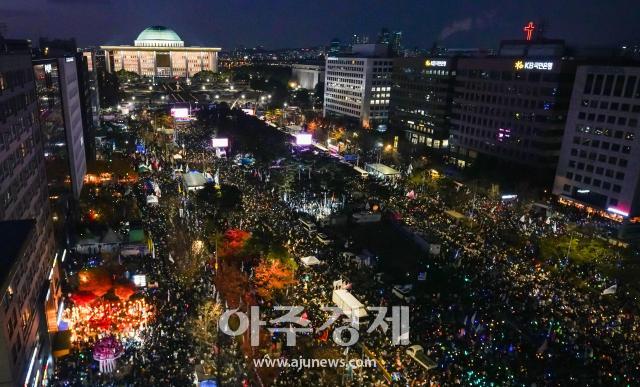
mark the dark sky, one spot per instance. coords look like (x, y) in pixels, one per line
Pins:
(298, 23)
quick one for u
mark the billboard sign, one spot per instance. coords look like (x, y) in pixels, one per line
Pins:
(180, 114)
(219, 142)
(303, 139)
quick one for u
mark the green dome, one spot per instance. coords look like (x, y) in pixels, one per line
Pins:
(159, 33)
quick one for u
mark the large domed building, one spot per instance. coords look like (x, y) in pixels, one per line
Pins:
(160, 52)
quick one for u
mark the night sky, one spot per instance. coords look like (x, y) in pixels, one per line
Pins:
(300, 23)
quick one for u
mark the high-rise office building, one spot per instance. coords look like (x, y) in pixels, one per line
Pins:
(87, 84)
(29, 279)
(359, 39)
(421, 99)
(54, 48)
(599, 165)
(335, 47)
(358, 85)
(513, 106)
(89, 102)
(60, 111)
(393, 39)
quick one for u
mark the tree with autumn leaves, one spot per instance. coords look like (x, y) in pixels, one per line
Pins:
(232, 243)
(274, 273)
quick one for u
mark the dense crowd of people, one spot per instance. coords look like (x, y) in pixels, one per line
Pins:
(500, 316)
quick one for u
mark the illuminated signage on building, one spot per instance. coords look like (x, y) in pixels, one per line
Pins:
(528, 30)
(618, 211)
(522, 65)
(435, 63)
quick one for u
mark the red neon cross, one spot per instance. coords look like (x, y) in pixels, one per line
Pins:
(528, 29)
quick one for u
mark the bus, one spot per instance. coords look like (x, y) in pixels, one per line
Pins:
(362, 172)
(308, 225)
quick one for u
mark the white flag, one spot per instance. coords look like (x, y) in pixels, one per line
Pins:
(610, 290)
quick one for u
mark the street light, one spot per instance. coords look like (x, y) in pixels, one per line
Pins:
(202, 87)
(242, 96)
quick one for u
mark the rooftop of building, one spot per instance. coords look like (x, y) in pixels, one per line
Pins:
(159, 33)
(13, 235)
(14, 46)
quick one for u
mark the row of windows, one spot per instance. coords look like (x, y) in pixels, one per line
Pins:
(337, 108)
(512, 116)
(615, 106)
(344, 80)
(622, 121)
(598, 170)
(339, 102)
(344, 90)
(345, 62)
(510, 101)
(490, 147)
(586, 142)
(601, 158)
(616, 85)
(529, 76)
(15, 78)
(18, 102)
(341, 74)
(333, 69)
(502, 89)
(605, 185)
(605, 132)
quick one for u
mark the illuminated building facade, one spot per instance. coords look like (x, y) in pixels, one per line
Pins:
(599, 164)
(421, 99)
(512, 107)
(358, 86)
(307, 76)
(160, 52)
(29, 280)
(60, 112)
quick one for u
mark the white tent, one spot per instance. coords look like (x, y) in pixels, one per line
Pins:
(310, 261)
(349, 304)
(194, 181)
